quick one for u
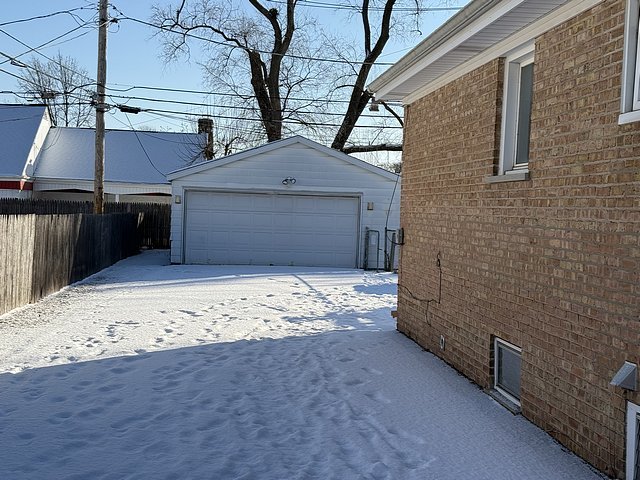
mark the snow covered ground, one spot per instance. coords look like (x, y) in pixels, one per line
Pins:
(151, 371)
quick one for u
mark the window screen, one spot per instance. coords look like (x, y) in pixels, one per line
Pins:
(508, 362)
(636, 467)
(524, 115)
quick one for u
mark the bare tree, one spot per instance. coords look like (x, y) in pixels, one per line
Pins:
(60, 83)
(263, 64)
(278, 53)
(360, 96)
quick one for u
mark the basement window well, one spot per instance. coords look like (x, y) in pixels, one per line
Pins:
(506, 369)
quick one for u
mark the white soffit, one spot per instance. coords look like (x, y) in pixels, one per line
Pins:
(477, 28)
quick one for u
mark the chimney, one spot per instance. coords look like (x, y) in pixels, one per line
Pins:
(205, 125)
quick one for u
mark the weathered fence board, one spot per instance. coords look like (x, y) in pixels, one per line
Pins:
(154, 219)
(39, 254)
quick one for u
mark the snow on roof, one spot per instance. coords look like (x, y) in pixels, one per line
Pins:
(130, 156)
(18, 127)
(285, 142)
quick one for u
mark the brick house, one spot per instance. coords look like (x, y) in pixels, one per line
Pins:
(521, 212)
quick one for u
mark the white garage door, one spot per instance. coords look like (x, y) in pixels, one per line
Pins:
(266, 229)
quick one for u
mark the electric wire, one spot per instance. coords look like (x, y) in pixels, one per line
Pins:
(144, 149)
(37, 49)
(339, 6)
(48, 15)
(128, 88)
(290, 121)
(158, 111)
(231, 107)
(257, 50)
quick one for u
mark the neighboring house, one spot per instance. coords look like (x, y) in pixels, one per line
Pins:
(40, 161)
(135, 167)
(521, 212)
(289, 202)
(23, 129)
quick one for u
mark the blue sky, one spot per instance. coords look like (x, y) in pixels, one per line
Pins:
(133, 51)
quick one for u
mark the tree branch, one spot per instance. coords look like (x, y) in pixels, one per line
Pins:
(381, 147)
(391, 111)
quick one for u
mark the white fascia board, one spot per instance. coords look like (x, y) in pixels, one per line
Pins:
(38, 142)
(15, 178)
(503, 48)
(472, 26)
(200, 167)
(109, 187)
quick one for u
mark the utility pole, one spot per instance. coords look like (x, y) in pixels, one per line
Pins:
(98, 182)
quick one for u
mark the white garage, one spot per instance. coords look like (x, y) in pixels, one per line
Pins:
(291, 202)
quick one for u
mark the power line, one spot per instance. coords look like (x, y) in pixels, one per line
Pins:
(144, 149)
(233, 47)
(232, 107)
(307, 124)
(11, 74)
(221, 94)
(36, 49)
(65, 41)
(48, 15)
(344, 6)
(26, 80)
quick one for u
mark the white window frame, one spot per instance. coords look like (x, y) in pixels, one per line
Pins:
(499, 342)
(511, 98)
(633, 413)
(630, 95)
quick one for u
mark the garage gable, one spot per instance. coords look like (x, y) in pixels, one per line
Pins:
(295, 153)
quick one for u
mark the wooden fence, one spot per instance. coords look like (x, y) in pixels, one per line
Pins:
(154, 219)
(39, 254)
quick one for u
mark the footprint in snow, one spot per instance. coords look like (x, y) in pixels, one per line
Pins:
(377, 397)
(353, 382)
(372, 371)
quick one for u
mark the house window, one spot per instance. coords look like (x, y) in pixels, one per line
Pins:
(633, 441)
(506, 369)
(516, 115)
(630, 98)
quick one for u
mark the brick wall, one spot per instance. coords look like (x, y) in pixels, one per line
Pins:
(551, 264)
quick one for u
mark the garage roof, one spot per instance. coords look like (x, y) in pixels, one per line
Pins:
(200, 167)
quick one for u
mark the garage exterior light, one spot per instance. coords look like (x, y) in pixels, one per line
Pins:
(289, 181)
